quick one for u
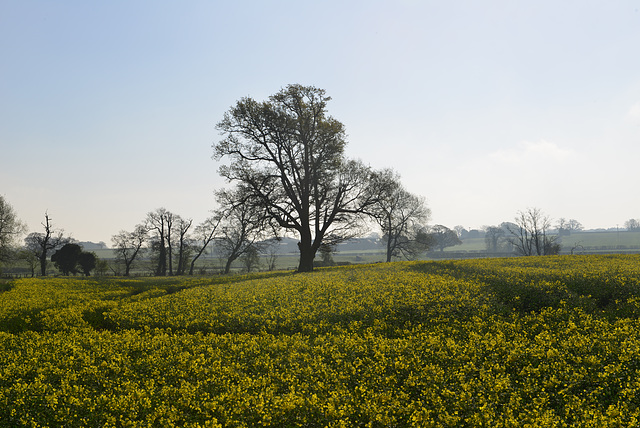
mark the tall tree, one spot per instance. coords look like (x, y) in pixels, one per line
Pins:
(128, 246)
(185, 246)
(169, 219)
(290, 155)
(41, 244)
(399, 214)
(158, 222)
(10, 229)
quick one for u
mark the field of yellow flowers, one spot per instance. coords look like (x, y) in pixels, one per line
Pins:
(538, 342)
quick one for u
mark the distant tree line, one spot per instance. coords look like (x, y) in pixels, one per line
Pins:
(632, 224)
(530, 234)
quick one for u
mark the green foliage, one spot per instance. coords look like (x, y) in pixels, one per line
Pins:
(537, 341)
(70, 259)
(66, 258)
(87, 262)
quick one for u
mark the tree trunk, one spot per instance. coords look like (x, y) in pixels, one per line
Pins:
(227, 267)
(306, 260)
(162, 260)
(43, 263)
(307, 255)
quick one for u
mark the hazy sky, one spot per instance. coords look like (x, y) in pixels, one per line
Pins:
(108, 109)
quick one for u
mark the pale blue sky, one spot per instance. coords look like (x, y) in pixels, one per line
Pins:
(108, 109)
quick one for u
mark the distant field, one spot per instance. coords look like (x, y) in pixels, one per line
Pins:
(579, 241)
(533, 341)
(597, 240)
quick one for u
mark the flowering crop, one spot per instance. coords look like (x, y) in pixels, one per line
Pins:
(550, 341)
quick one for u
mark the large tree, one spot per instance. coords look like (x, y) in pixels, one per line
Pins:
(290, 155)
(400, 215)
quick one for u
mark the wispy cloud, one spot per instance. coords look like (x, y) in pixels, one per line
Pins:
(527, 151)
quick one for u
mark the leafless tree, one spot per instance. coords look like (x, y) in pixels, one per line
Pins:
(290, 155)
(204, 234)
(159, 222)
(529, 234)
(128, 245)
(169, 219)
(42, 244)
(243, 225)
(271, 247)
(399, 214)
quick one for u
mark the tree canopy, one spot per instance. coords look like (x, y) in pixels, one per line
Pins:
(289, 155)
(71, 259)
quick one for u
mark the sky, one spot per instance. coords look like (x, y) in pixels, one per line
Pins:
(108, 110)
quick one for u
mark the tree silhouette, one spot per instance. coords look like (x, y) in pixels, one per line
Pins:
(289, 154)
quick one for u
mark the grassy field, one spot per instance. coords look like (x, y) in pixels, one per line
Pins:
(579, 241)
(552, 341)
